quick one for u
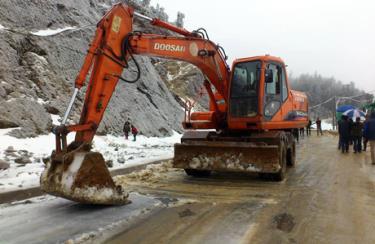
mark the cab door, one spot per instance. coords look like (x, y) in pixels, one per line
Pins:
(273, 88)
(276, 92)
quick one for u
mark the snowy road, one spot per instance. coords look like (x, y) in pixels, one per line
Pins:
(327, 198)
(51, 220)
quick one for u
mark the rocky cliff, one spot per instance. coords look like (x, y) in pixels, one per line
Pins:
(37, 70)
(184, 80)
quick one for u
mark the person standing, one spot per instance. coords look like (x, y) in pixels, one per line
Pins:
(302, 132)
(308, 128)
(318, 126)
(340, 140)
(370, 135)
(356, 134)
(126, 129)
(295, 133)
(351, 122)
(365, 140)
(344, 132)
(134, 132)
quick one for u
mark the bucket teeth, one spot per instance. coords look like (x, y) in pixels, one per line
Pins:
(83, 177)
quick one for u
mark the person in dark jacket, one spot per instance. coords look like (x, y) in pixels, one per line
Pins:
(295, 133)
(318, 127)
(350, 126)
(340, 141)
(308, 128)
(370, 135)
(134, 132)
(365, 140)
(344, 132)
(302, 132)
(126, 129)
(356, 134)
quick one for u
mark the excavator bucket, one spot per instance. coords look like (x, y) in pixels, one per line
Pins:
(227, 156)
(81, 176)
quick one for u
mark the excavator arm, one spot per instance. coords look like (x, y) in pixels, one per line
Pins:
(78, 174)
(115, 43)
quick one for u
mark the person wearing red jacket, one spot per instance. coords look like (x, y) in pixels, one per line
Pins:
(134, 132)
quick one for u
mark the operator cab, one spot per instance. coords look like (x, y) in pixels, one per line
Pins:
(258, 87)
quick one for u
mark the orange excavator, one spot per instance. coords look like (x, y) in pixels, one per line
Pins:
(248, 128)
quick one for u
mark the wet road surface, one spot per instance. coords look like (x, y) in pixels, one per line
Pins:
(327, 198)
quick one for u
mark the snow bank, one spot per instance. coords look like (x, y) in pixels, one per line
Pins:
(118, 149)
(24, 176)
(123, 153)
(51, 32)
(2, 27)
(326, 124)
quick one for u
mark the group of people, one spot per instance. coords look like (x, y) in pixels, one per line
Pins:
(319, 130)
(128, 127)
(351, 132)
(357, 133)
(301, 133)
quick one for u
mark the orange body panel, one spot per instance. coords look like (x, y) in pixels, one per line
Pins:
(203, 116)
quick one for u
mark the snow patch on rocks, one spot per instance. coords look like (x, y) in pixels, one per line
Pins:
(41, 101)
(56, 119)
(51, 32)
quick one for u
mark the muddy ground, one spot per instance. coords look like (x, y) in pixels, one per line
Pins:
(327, 198)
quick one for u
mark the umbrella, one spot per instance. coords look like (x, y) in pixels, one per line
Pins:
(344, 108)
(354, 113)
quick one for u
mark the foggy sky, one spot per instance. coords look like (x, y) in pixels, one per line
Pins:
(332, 37)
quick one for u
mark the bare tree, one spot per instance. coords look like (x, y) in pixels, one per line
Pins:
(145, 3)
(180, 19)
(320, 89)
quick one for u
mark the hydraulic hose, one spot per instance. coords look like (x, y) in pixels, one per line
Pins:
(126, 49)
